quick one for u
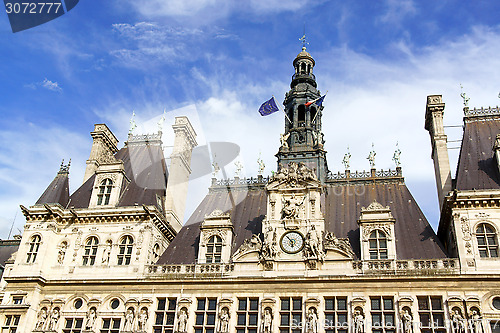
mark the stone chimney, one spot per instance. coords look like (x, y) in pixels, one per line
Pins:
(103, 149)
(179, 171)
(434, 124)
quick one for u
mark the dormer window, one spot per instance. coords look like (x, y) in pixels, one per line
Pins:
(104, 193)
(378, 245)
(34, 245)
(487, 241)
(214, 250)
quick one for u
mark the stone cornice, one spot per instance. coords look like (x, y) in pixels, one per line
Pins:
(56, 213)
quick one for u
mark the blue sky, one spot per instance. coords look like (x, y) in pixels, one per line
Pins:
(221, 59)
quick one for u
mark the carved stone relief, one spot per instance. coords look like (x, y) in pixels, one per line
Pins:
(368, 229)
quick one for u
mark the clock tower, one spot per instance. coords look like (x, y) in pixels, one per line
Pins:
(303, 137)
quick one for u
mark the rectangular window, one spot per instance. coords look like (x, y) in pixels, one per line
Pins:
(336, 315)
(165, 315)
(247, 315)
(205, 315)
(383, 316)
(11, 323)
(291, 315)
(431, 314)
(73, 325)
(110, 325)
(17, 299)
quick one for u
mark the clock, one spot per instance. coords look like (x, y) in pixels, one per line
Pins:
(292, 242)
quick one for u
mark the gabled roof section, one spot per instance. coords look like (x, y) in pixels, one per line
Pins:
(7, 248)
(58, 190)
(146, 172)
(341, 206)
(477, 167)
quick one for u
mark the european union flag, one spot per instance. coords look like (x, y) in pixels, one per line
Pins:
(268, 107)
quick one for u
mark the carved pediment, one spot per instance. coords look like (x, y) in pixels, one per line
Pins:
(293, 175)
(339, 245)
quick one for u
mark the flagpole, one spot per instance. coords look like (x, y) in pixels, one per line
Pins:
(317, 112)
(282, 110)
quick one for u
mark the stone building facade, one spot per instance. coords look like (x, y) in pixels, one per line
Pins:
(305, 250)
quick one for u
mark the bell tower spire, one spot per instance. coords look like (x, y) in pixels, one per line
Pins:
(303, 138)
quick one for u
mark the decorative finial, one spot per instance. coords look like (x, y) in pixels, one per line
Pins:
(161, 121)
(261, 164)
(303, 39)
(397, 156)
(64, 168)
(464, 96)
(371, 157)
(216, 168)
(346, 159)
(133, 125)
(239, 167)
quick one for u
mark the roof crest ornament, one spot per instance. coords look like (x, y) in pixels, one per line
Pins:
(64, 168)
(346, 159)
(216, 168)
(239, 167)
(303, 39)
(397, 156)
(371, 156)
(464, 96)
(133, 125)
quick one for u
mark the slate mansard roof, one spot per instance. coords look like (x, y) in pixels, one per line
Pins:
(477, 168)
(341, 206)
(146, 170)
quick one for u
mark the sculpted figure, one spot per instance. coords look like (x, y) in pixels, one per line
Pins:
(312, 321)
(267, 321)
(477, 326)
(312, 243)
(291, 207)
(129, 320)
(407, 321)
(359, 322)
(62, 253)
(182, 319)
(54, 317)
(143, 319)
(42, 319)
(224, 320)
(90, 320)
(106, 252)
(283, 140)
(458, 322)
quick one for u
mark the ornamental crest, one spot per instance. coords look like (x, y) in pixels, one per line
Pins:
(294, 173)
(367, 230)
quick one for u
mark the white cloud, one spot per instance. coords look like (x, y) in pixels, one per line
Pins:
(46, 84)
(397, 11)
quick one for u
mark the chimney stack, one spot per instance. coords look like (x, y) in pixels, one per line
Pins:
(103, 149)
(434, 124)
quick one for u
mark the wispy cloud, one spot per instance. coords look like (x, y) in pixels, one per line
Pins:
(46, 84)
(397, 10)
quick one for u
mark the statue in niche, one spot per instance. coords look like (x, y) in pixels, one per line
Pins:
(129, 320)
(477, 326)
(90, 320)
(291, 207)
(312, 321)
(269, 245)
(312, 245)
(54, 317)
(42, 319)
(107, 252)
(359, 322)
(182, 320)
(407, 321)
(143, 319)
(267, 320)
(224, 320)
(457, 321)
(62, 252)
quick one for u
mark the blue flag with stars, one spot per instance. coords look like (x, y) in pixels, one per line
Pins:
(268, 107)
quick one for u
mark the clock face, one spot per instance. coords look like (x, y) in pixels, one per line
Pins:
(292, 242)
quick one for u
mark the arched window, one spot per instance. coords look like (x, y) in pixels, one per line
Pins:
(214, 249)
(301, 114)
(34, 245)
(125, 250)
(303, 68)
(90, 251)
(104, 192)
(378, 245)
(486, 241)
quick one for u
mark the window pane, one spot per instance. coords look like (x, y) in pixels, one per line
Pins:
(254, 304)
(375, 304)
(285, 304)
(199, 319)
(252, 319)
(329, 304)
(212, 304)
(201, 304)
(341, 304)
(210, 318)
(242, 304)
(297, 304)
(285, 319)
(436, 303)
(241, 319)
(425, 319)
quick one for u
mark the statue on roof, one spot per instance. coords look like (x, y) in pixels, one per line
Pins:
(346, 159)
(371, 157)
(261, 164)
(464, 96)
(133, 125)
(397, 156)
